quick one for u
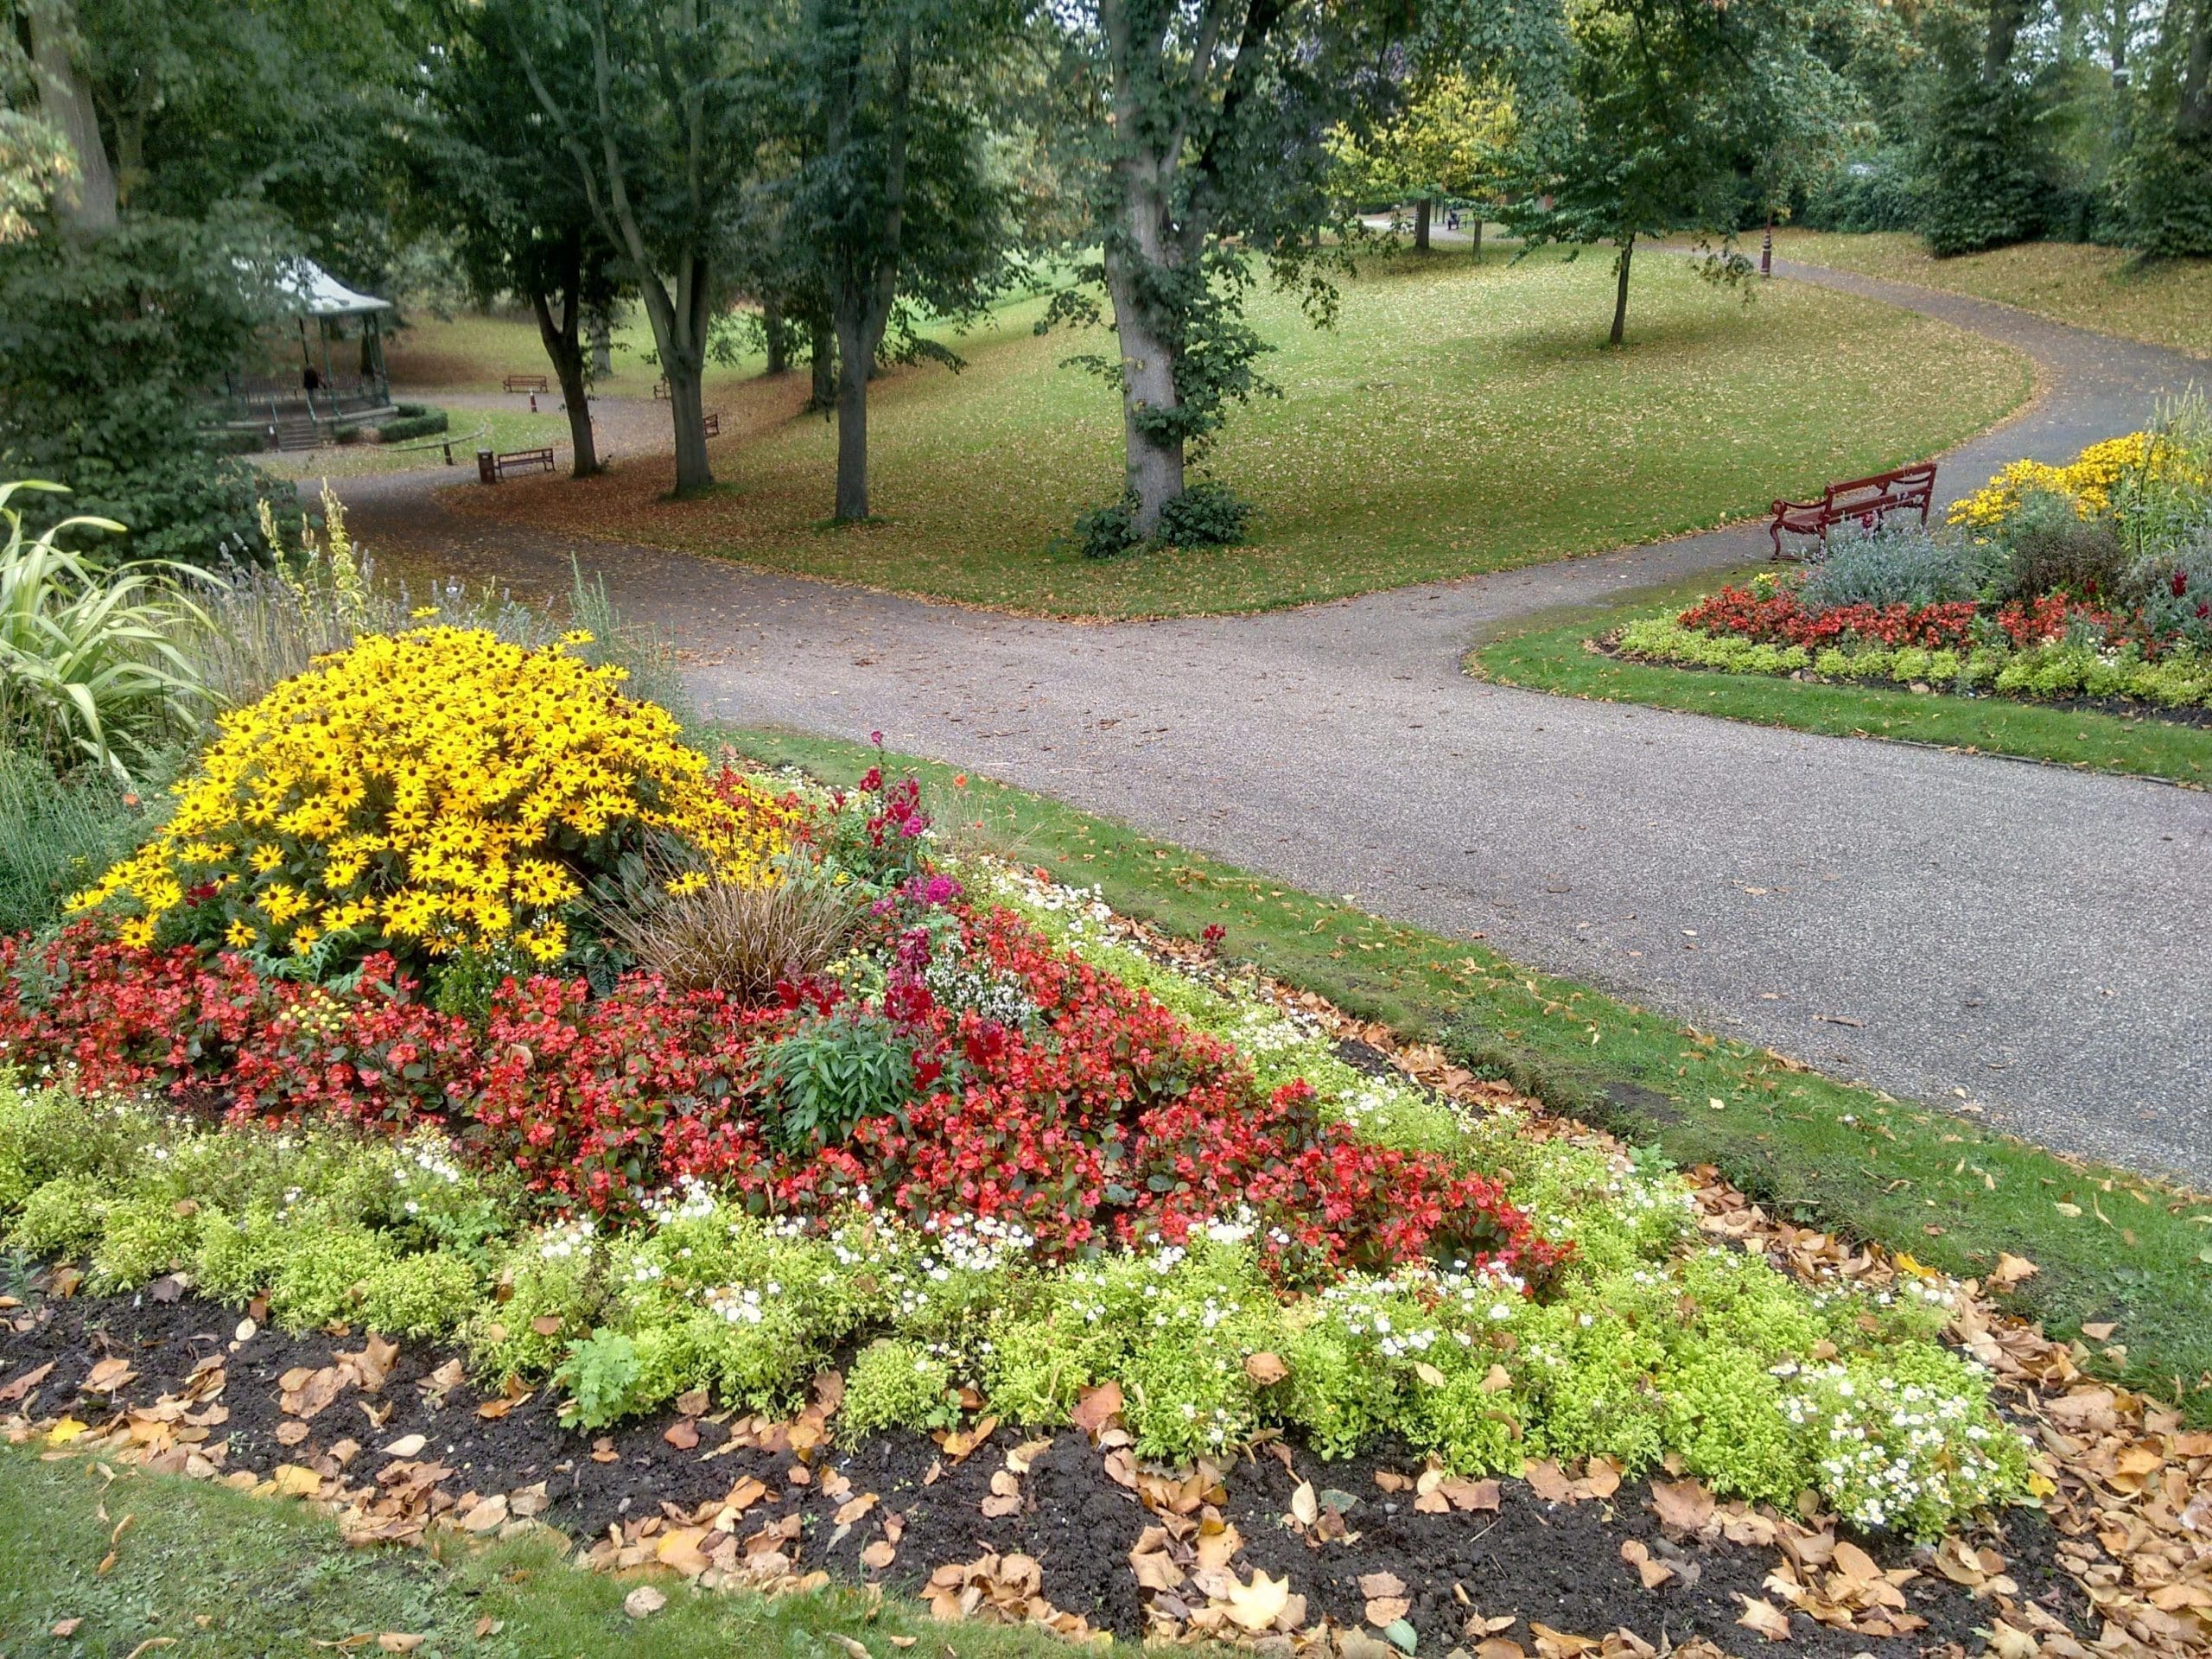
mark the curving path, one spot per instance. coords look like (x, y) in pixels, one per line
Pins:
(2017, 940)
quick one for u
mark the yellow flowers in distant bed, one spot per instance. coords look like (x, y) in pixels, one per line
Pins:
(2088, 480)
(431, 790)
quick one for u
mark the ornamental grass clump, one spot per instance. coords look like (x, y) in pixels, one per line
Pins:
(429, 791)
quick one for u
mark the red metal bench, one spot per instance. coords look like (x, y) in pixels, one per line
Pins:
(526, 383)
(491, 468)
(1867, 502)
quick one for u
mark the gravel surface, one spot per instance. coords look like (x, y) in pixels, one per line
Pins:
(2017, 941)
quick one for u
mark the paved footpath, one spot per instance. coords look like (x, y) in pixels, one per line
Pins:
(1974, 932)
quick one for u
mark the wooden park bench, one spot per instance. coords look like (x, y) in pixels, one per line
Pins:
(526, 383)
(1867, 502)
(713, 424)
(491, 468)
(660, 391)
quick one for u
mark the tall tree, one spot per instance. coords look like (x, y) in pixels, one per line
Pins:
(493, 175)
(1676, 116)
(1448, 143)
(1985, 156)
(900, 203)
(658, 107)
(2167, 177)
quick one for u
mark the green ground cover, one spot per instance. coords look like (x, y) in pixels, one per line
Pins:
(1458, 419)
(469, 429)
(1552, 653)
(207, 1573)
(2167, 302)
(1954, 1195)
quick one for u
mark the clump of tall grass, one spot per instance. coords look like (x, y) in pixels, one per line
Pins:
(91, 666)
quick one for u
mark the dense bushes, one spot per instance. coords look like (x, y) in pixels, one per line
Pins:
(413, 421)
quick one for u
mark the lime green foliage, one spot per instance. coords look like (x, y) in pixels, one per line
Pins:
(1443, 428)
(142, 1239)
(322, 1275)
(421, 1295)
(2180, 679)
(330, 1226)
(272, 1578)
(895, 1383)
(1551, 654)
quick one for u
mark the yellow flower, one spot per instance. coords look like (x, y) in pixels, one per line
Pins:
(239, 935)
(137, 932)
(689, 882)
(421, 785)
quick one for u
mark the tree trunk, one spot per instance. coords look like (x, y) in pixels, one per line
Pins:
(695, 473)
(777, 333)
(1475, 229)
(854, 356)
(565, 346)
(602, 348)
(822, 363)
(88, 203)
(1152, 461)
(1620, 290)
(1420, 226)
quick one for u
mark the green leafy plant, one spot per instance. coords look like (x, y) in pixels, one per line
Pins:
(600, 1374)
(834, 1071)
(90, 665)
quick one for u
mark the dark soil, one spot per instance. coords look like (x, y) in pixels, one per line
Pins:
(1558, 1563)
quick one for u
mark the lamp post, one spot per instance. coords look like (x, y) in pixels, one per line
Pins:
(1766, 249)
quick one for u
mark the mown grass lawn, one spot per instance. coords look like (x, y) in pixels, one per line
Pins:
(1458, 420)
(474, 352)
(2109, 1246)
(200, 1572)
(2167, 302)
(1552, 653)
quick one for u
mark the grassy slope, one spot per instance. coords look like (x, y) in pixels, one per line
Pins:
(1824, 1152)
(270, 1577)
(2167, 303)
(1547, 654)
(1457, 420)
(476, 353)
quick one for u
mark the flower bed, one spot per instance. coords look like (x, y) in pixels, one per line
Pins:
(980, 1150)
(2089, 580)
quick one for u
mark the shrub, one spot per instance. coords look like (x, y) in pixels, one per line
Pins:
(425, 790)
(2051, 548)
(90, 669)
(896, 1384)
(1108, 532)
(413, 421)
(421, 1295)
(744, 939)
(1904, 565)
(1207, 514)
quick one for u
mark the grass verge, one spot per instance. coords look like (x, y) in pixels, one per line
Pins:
(1547, 654)
(2108, 1245)
(1459, 418)
(199, 1571)
(2164, 302)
